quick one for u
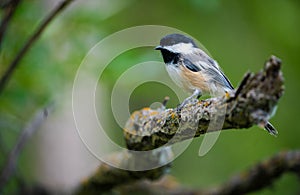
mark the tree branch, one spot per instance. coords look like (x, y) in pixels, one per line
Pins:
(13, 65)
(108, 177)
(9, 10)
(257, 177)
(252, 103)
(261, 175)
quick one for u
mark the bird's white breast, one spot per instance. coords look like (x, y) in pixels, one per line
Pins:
(176, 75)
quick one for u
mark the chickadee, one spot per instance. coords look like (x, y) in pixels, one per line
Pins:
(193, 70)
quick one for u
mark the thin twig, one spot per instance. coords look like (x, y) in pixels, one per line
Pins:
(26, 133)
(261, 175)
(8, 73)
(10, 8)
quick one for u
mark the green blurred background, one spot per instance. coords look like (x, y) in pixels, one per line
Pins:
(240, 35)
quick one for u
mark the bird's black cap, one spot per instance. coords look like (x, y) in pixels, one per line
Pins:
(173, 39)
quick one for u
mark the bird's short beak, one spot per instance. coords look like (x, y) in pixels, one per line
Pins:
(158, 48)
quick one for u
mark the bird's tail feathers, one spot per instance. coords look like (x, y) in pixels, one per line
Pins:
(271, 129)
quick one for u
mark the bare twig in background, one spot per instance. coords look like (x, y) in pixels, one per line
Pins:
(26, 133)
(148, 129)
(108, 177)
(259, 176)
(13, 65)
(9, 10)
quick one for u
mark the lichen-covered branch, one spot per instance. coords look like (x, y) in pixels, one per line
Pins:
(251, 104)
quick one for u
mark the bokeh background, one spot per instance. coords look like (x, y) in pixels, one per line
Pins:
(240, 35)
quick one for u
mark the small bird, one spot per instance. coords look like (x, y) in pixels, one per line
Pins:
(194, 71)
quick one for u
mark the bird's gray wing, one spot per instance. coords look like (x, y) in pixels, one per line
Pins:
(200, 61)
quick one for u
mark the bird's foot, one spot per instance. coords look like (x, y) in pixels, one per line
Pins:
(197, 94)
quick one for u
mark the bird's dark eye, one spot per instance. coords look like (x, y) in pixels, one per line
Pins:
(170, 57)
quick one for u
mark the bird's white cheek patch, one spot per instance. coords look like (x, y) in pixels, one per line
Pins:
(183, 48)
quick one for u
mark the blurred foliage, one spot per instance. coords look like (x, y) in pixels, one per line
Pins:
(240, 35)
